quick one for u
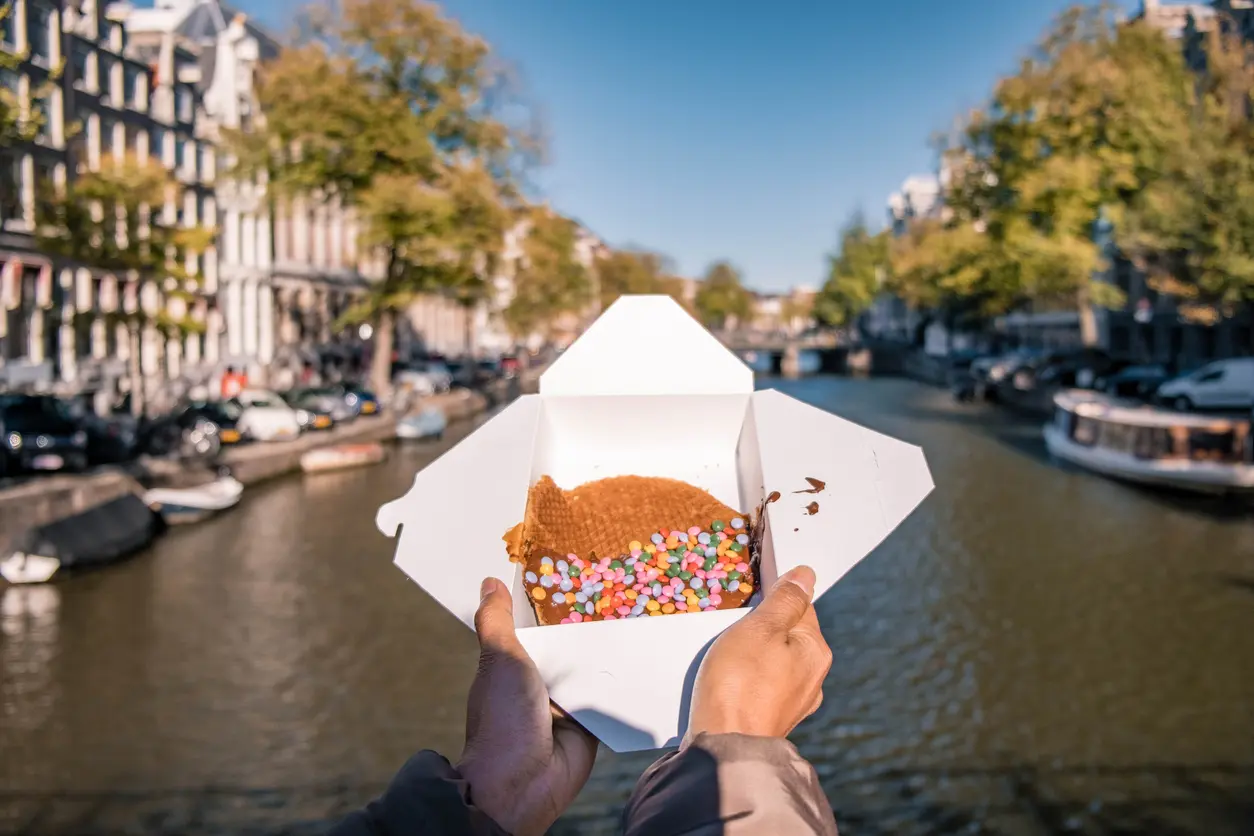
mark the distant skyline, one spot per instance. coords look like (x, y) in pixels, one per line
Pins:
(703, 133)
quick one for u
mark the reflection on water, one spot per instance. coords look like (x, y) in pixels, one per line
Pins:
(1036, 650)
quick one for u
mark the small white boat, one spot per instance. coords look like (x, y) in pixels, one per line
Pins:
(20, 568)
(1152, 446)
(99, 536)
(191, 504)
(429, 423)
(342, 456)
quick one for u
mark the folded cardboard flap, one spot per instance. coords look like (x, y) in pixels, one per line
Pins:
(646, 345)
(470, 496)
(871, 483)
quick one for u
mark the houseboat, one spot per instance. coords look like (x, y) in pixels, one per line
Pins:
(1152, 446)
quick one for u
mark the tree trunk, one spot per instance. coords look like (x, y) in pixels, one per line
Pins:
(469, 312)
(136, 371)
(381, 361)
(1088, 322)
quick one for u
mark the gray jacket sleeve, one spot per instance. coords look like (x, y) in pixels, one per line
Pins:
(428, 796)
(729, 785)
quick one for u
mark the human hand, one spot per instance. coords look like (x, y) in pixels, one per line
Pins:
(525, 759)
(764, 674)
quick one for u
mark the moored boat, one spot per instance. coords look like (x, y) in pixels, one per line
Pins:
(342, 456)
(194, 502)
(98, 536)
(1152, 446)
(429, 423)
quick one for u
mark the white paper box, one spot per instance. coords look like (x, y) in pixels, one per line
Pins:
(619, 402)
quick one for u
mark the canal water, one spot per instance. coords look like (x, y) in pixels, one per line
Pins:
(1034, 651)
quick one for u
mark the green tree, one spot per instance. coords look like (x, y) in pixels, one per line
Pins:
(115, 219)
(722, 298)
(550, 281)
(632, 271)
(1068, 141)
(1192, 230)
(856, 274)
(394, 110)
(799, 310)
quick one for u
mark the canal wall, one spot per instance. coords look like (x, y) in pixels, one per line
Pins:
(42, 500)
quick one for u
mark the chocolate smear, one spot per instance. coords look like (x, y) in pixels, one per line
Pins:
(774, 496)
(816, 485)
(812, 508)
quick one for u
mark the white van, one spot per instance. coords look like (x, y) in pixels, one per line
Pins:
(1224, 384)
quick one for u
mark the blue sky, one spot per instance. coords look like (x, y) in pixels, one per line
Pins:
(705, 129)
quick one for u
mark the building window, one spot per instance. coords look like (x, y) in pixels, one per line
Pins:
(10, 188)
(106, 135)
(17, 343)
(76, 150)
(105, 84)
(39, 34)
(45, 188)
(8, 29)
(11, 82)
(180, 153)
(41, 111)
(80, 59)
(132, 140)
(185, 104)
(156, 143)
(134, 89)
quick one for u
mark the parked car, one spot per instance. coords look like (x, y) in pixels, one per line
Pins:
(266, 416)
(1224, 384)
(1139, 382)
(195, 429)
(1002, 368)
(361, 399)
(1077, 368)
(424, 379)
(39, 434)
(323, 400)
(473, 374)
(311, 413)
(110, 440)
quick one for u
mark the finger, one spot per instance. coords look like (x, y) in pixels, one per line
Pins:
(809, 623)
(786, 602)
(494, 620)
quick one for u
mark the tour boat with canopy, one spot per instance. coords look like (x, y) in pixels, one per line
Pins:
(1145, 444)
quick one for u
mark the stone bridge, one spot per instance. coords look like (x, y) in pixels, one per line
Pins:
(783, 356)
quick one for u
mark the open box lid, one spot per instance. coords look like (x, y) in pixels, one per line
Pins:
(451, 522)
(646, 345)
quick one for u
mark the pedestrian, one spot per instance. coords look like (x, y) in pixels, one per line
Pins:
(232, 383)
(525, 760)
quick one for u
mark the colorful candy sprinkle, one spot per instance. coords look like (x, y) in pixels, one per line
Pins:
(676, 571)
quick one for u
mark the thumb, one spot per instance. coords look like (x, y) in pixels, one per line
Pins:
(494, 620)
(786, 602)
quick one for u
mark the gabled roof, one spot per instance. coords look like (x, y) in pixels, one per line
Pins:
(202, 24)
